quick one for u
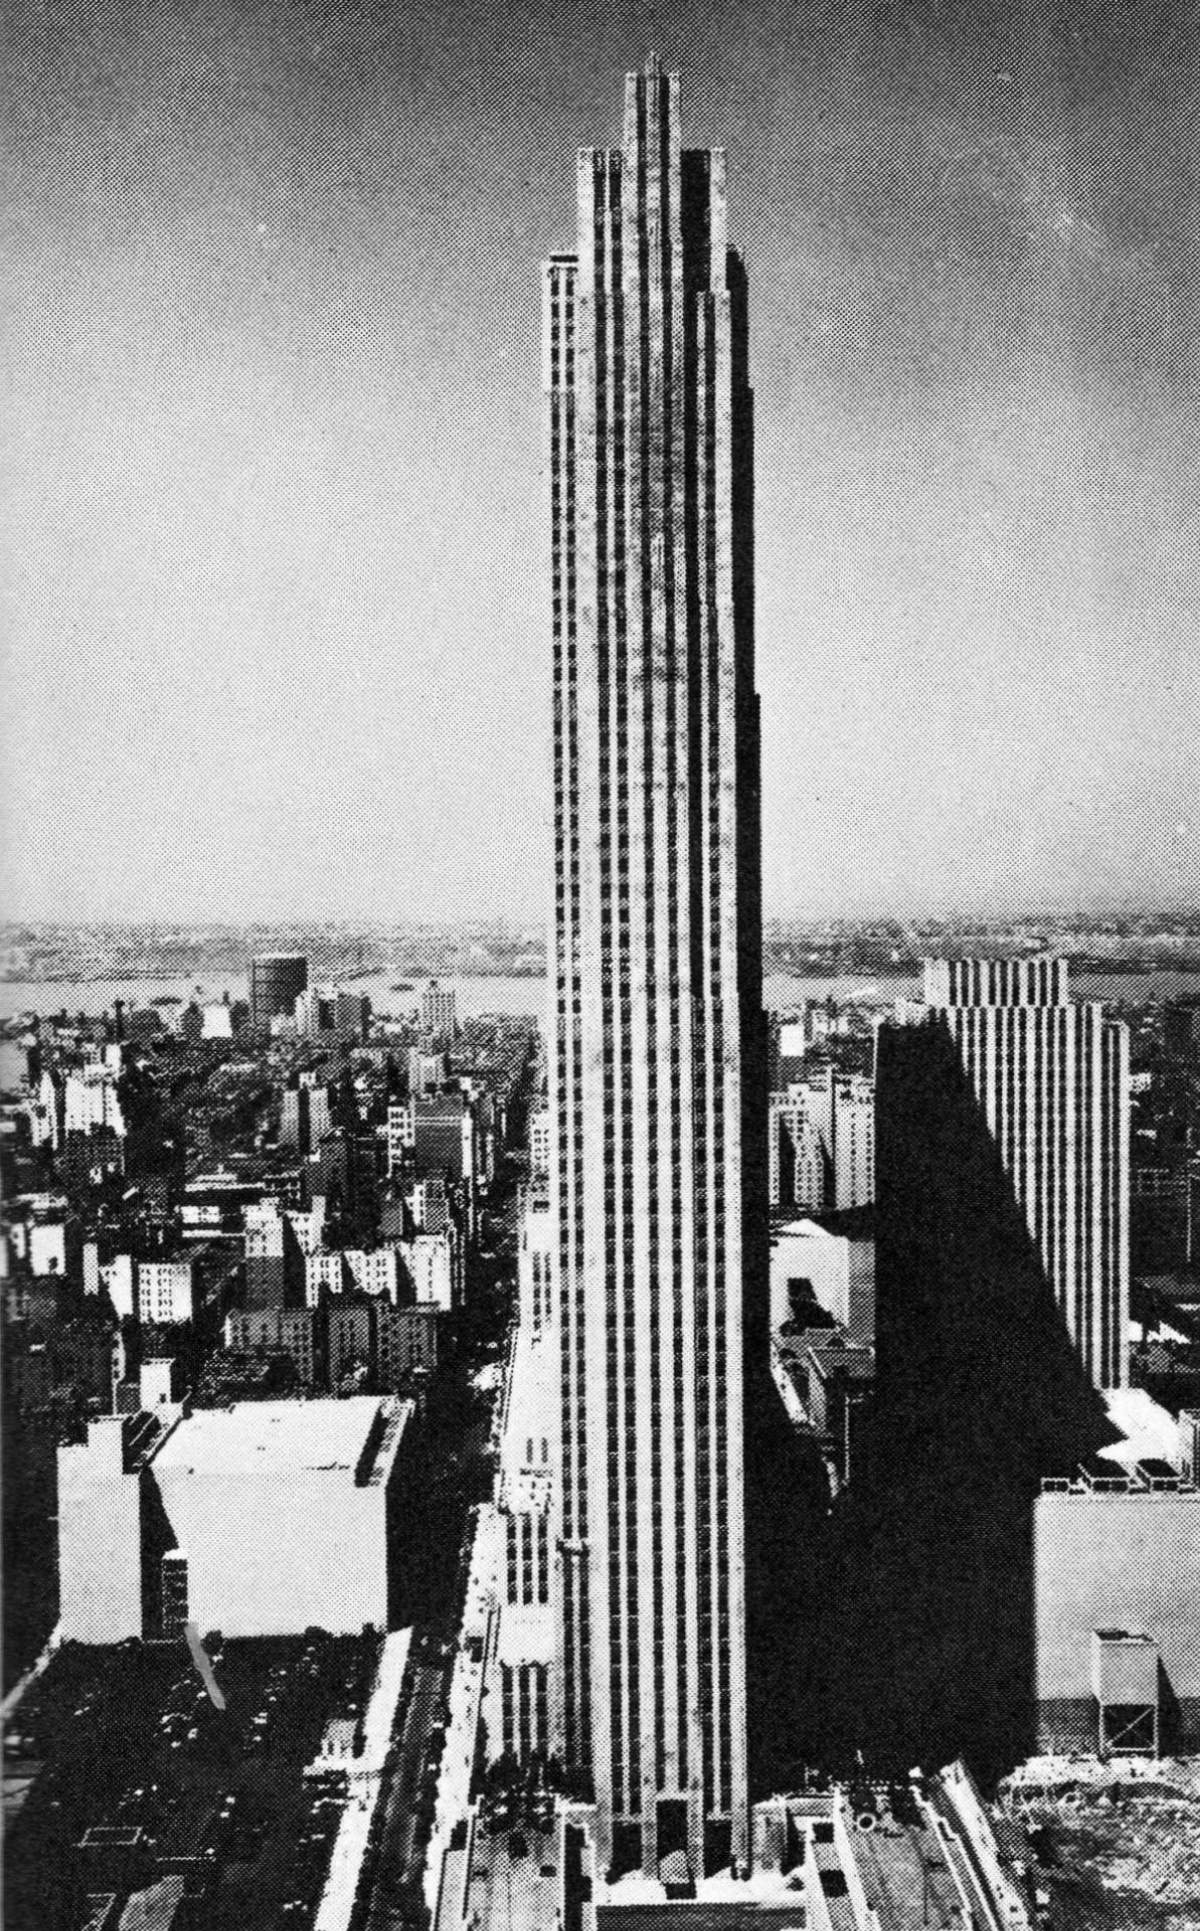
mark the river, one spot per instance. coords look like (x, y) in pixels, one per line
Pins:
(478, 995)
(475, 995)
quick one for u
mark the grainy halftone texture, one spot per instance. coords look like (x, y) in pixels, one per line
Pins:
(276, 625)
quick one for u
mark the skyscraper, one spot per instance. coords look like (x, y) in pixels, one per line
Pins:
(1051, 1081)
(657, 1176)
(1001, 1278)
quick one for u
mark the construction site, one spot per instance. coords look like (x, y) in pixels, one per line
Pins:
(1110, 1843)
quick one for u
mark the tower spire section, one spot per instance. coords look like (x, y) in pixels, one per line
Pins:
(655, 915)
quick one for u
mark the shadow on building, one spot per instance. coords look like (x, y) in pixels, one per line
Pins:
(787, 1568)
(926, 1638)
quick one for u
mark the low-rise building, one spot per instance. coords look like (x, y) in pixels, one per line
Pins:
(405, 1344)
(349, 1341)
(821, 1143)
(433, 1263)
(118, 1277)
(444, 1135)
(91, 1101)
(305, 1116)
(1116, 1584)
(428, 1204)
(294, 1332)
(262, 1519)
(324, 1274)
(376, 1270)
(279, 1241)
(401, 1133)
(166, 1289)
(811, 1264)
(55, 1245)
(539, 1140)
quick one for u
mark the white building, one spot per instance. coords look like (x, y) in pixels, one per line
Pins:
(45, 1111)
(426, 1071)
(439, 1010)
(324, 1274)
(375, 1270)
(535, 1294)
(519, 1695)
(838, 1274)
(821, 1143)
(91, 1101)
(800, 1127)
(119, 1277)
(262, 1519)
(795, 1038)
(539, 1140)
(268, 1225)
(401, 1132)
(55, 1246)
(378, 1271)
(432, 1262)
(165, 1290)
(308, 1226)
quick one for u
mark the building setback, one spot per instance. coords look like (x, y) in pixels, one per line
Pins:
(655, 1046)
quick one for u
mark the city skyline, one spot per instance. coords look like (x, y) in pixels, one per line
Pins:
(271, 480)
(678, 1420)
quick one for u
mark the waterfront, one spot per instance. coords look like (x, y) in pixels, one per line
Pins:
(526, 995)
(476, 995)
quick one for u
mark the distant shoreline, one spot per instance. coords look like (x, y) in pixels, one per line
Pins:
(1086, 968)
(204, 969)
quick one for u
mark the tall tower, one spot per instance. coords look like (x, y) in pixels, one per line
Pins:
(1052, 1080)
(656, 1059)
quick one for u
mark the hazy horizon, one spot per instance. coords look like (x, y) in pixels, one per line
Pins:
(512, 925)
(275, 625)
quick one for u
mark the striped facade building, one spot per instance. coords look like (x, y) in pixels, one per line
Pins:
(655, 1033)
(1052, 1080)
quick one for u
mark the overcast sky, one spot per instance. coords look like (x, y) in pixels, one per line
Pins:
(274, 621)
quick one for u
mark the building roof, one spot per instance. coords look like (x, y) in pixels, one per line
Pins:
(155, 1908)
(855, 1360)
(273, 1438)
(800, 1227)
(1149, 1432)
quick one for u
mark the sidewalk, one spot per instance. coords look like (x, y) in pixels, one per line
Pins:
(467, 1687)
(366, 1775)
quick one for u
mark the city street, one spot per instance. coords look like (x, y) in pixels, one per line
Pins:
(403, 1810)
(451, 1471)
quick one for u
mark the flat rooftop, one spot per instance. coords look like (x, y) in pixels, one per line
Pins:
(278, 1438)
(1149, 1432)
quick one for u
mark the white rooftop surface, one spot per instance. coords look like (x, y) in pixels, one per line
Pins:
(762, 1887)
(801, 1228)
(531, 1411)
(1151, 1433)
(526, 1634)
(270, 1437)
